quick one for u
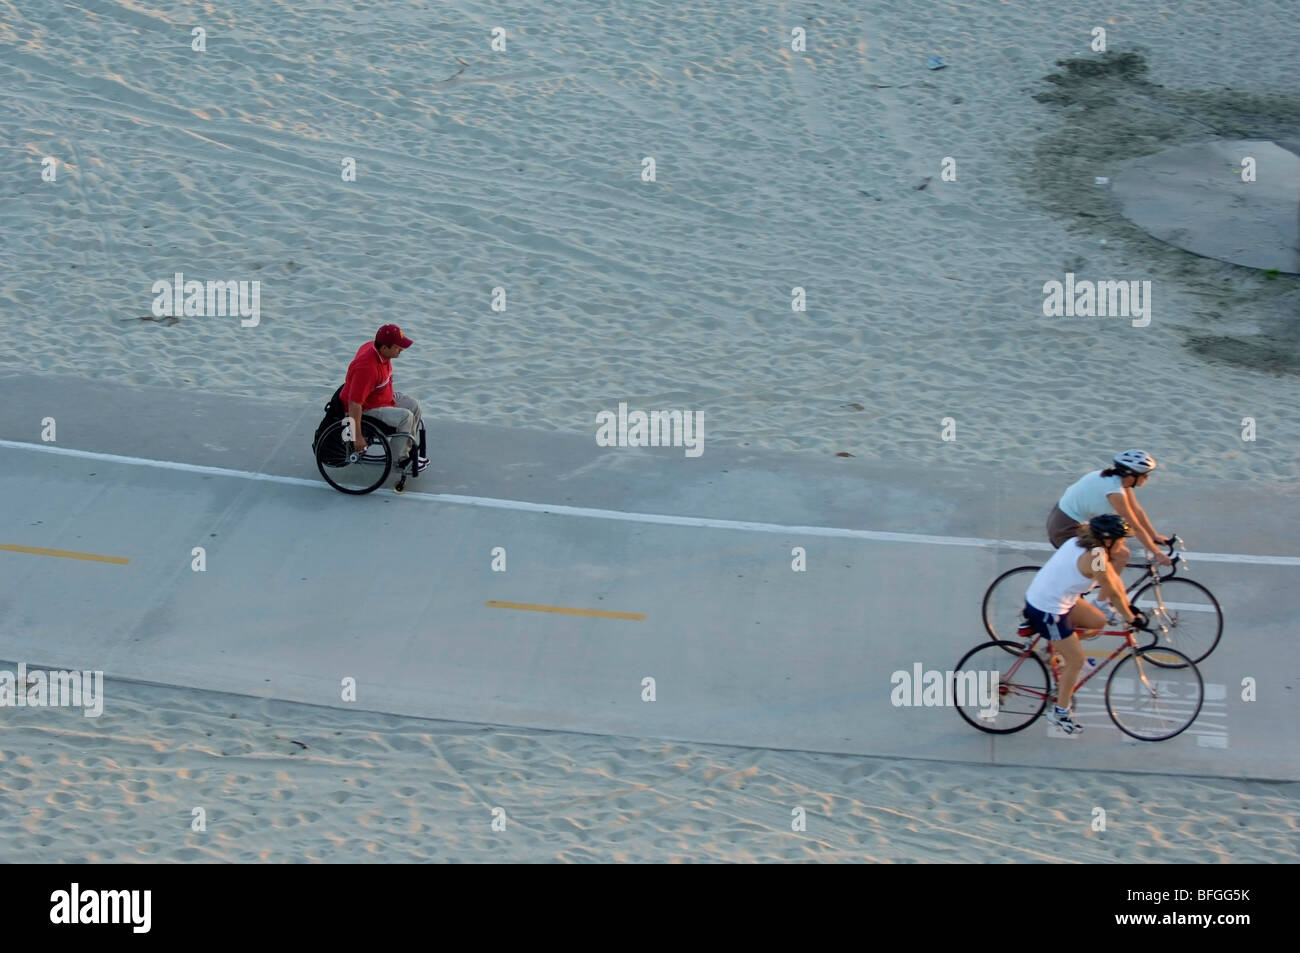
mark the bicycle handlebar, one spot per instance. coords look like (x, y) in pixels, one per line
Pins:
(1174, 544)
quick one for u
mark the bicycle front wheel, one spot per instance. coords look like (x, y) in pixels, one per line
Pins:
(1021, 693)
(1153, 701)
(1003, 601)
(1184, 616)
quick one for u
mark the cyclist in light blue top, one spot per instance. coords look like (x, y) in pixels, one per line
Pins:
(1109, 491)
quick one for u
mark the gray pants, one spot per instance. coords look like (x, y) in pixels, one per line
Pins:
(405, 418)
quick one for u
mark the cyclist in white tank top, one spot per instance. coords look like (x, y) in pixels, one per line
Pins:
(1057, 586)
(1054, 609)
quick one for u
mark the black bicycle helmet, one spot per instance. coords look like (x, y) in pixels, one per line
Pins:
(1109, 526)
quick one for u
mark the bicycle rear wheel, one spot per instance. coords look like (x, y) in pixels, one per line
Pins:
(348, 471)
(1154, 701)
(1184, 615)
(1023, 687)
(1003, 600)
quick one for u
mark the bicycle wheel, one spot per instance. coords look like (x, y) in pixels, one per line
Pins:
(1023, 687)
(1184, 615)
(1003, 600)
(1152, 702)
(350, 472)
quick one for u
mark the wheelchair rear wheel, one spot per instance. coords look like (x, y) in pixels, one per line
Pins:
(345, 469)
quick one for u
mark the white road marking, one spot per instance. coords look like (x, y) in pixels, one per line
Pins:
(590, 513)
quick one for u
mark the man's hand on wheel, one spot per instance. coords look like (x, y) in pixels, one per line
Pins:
(358, 437)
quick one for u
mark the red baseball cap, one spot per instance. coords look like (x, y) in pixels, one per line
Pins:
(392, 334)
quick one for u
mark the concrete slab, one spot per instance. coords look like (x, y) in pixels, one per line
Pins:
(1195, 197)
(305, 587)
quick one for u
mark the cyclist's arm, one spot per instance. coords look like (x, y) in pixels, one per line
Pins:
(1141, 513)
(1126, 505)
(1112, 589)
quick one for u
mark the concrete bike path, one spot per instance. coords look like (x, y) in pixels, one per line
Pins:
(305, 587)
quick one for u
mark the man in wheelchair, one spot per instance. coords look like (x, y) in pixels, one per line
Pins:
(368, 389)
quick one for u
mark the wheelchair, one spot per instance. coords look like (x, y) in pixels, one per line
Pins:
(350, 471)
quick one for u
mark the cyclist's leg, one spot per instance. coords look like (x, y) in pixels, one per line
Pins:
(1071, 653)
(1060, 640)
(1086, 620)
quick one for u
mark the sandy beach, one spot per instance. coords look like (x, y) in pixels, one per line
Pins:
(522, 169)
(289, 783)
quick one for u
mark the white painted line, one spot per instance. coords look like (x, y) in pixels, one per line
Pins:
(559, 510)
(163, 464)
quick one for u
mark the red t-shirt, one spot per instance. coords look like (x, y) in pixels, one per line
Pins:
(369, 381)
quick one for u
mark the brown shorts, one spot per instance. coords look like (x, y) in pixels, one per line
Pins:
(1060, 527)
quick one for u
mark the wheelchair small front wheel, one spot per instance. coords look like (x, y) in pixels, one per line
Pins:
(345, 469)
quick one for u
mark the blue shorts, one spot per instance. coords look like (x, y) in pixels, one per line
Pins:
(1051, 627)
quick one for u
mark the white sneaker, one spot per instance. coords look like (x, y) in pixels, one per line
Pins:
(1113, 618)
(1061, 718)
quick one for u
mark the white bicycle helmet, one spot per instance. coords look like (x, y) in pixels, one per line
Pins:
(1135, 461)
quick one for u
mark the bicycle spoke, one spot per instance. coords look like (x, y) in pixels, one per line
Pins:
(1004, 600)
(1184, 615)
(1150, 701)
(1142, 674)
(1022, 688)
